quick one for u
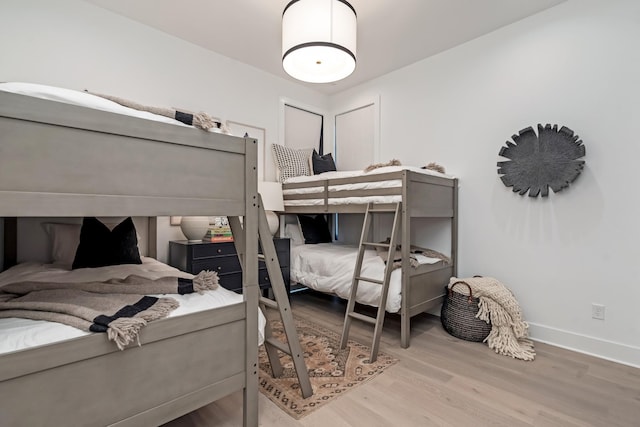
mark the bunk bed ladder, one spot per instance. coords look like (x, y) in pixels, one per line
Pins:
(281, 303)
(357, 277)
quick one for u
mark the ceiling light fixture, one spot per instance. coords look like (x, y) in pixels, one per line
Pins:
(319, 40)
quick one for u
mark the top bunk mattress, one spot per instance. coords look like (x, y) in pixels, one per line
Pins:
(19, 334)
(85, 99)
(381, 185)
(374, 174)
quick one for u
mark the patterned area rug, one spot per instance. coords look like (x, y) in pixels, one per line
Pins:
(332, 371)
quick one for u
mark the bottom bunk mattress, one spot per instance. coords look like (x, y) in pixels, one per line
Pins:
(328, 268)
(18, 333)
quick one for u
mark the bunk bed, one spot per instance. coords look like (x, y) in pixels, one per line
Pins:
(64, 160)
(423, 194)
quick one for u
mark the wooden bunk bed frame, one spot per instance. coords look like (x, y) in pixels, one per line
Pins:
(61, 160)
(422, 196)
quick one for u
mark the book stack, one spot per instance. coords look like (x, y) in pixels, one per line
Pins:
(221, 233)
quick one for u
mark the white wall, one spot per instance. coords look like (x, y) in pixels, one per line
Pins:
(575, 65)
(73, 44)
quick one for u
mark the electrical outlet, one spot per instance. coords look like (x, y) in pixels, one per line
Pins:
(597, 311)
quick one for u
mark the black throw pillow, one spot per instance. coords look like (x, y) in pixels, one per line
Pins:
(314, 229)
(322, 163)
(100, 246)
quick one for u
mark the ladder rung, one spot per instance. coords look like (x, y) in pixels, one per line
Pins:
(278, 344)
(261, 257)
(364, 318)
(377, 245)
(269, 302)
(367, 279)
(382, 210)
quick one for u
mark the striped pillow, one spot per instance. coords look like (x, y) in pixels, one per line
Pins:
(291, 162)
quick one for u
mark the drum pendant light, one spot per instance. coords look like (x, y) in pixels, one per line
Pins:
(319, 40)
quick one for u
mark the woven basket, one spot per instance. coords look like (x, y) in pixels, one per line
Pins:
(458, 315)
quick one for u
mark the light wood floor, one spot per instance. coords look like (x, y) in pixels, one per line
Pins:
(442, 381)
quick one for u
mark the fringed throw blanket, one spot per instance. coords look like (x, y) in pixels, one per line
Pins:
(413, 251)
(200, 120)
(119, 307)
(509, 332)
(374, 166)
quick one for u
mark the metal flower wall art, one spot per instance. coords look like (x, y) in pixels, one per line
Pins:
(537, 162)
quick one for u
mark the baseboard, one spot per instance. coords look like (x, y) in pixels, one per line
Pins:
(609, 350)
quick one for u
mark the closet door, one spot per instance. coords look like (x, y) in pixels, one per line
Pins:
(355, 138)
(302, 128)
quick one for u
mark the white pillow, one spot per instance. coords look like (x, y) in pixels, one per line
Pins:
(291, 162)
(64, 240)
(293, 232)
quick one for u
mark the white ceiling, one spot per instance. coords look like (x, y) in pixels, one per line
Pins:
(391, 33)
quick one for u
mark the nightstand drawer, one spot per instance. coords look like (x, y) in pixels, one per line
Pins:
(213, 250)
(267, 280)
(284, 258)
(220, 257)
(233, 281)
(221, 265)
(228, 248)
(281, 245)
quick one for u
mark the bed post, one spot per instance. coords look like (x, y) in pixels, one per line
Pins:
(10, 248)
(250, 288)
(405, 315)
(454, 229)
(152, 239)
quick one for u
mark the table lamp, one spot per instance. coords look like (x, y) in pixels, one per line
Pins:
(272, 200)
(194, 227)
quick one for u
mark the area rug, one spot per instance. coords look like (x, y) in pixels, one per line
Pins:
(332, 371)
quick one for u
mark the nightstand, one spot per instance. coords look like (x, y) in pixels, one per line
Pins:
(221, 257)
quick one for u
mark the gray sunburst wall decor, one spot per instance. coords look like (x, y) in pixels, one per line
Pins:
(537, 162)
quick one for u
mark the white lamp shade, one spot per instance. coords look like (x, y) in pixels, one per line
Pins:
(273, 221)
(319, 40)
(271, 193)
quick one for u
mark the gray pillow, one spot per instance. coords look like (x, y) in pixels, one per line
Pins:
(100, 246)
(314, 229)
(322, 163)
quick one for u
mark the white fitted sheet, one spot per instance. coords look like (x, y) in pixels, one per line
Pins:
(18, 334)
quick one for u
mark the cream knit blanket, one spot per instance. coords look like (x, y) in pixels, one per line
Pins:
(509, 331)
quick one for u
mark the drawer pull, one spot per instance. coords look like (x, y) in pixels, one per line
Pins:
(219, 251)
(219, 268)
